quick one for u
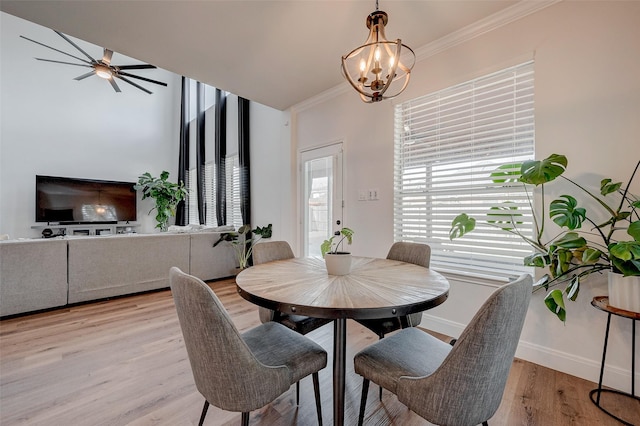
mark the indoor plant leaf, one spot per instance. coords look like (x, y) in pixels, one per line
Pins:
(507, 173)
(555, 303)
(503, 215)
(565, 213)
(573, 288)
(461, 225)
(536, 172)
(634, 230)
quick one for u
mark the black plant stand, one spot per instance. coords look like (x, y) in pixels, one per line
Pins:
(602, 303)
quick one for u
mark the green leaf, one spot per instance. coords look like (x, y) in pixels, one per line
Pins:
(461, 225)
(506, 173)
(325, 247)
(625, 250)
(555, 302)
(264, 232)
(565, 212)
(606, 187)
(570, 240)
(503, 215)
(348, 233)
(539, 260)
(591, 255)
(538, 172)
(634, 230)
(573, 288)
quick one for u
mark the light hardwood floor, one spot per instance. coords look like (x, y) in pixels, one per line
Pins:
(123, 362)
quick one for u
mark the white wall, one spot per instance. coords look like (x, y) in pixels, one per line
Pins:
(54, 125)
(587, 99)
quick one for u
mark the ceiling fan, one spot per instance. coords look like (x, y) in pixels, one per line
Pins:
(103, 67)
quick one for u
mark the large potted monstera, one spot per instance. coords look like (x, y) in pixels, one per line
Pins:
(585, 245)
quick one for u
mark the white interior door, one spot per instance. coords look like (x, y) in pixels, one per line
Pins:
(321, 195)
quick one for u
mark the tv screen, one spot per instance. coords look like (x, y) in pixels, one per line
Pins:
(70, 200)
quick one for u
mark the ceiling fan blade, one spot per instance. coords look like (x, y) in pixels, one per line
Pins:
(62, 62)
(136, 67)
(106, 58)
(83, 76)
(114, 85)
(74, 45)
(57, 50)
(143, 78)
(132, 83)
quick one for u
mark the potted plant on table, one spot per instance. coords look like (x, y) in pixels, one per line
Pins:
(338, 262)
(574, 253)
(166, 194)
(243, 241)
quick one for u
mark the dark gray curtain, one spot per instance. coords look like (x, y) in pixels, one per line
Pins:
(220, 157)
(183, 157)
(244, 160)
(200, 151)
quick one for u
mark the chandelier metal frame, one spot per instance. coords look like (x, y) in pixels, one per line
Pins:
(377, 57)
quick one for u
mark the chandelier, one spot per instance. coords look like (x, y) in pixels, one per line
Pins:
(379, 69)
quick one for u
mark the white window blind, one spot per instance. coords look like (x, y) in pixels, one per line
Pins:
(234, 216)
(209, 196)
(192, 198)
(446, 146)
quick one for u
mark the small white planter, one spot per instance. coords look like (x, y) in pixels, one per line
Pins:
(624, 292)
(338, 264)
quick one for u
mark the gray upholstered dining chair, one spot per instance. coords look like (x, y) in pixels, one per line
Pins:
(279, 250)
(455, 385)
(239, 372)
(418, 254)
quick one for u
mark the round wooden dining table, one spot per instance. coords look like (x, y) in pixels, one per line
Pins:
(375, 288)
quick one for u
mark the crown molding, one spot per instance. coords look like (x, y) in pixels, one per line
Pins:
(483, 26)
(506, 16)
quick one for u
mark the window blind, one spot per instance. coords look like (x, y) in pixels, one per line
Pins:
(446, 146)
(234, 215)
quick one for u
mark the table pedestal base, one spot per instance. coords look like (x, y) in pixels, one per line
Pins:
(339, 361)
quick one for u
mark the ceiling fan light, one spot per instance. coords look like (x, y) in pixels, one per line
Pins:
(369, 63)
(103, 72)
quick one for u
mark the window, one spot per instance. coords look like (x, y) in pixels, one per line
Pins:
(234, 215)
(209, 196)
(446, 145)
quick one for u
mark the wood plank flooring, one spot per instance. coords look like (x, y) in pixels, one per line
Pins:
(123, 362)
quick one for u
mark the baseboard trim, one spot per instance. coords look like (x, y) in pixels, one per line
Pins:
(588, 369)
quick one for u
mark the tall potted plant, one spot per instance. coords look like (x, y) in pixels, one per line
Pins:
(243, 241)
(576, 252)
(166, 194)
(338, 262)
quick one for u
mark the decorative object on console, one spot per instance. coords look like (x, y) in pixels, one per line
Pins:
(102, 67)
(243, 241)
(570, 256)
(166, 194)
(338, 262)
(389, 62)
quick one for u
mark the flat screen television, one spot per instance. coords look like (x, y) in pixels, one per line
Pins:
(79, 201)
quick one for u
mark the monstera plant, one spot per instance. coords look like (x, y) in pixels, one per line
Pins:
(585, 245)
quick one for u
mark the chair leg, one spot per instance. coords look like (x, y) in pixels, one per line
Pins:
(363, 401)
(316, 391)
(204, 412)
(245, 419)
(485, 423)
